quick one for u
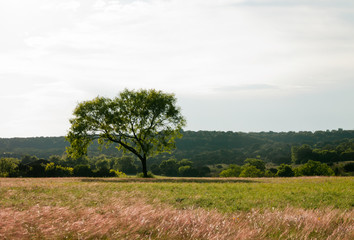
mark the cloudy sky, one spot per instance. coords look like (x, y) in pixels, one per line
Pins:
(234, 65)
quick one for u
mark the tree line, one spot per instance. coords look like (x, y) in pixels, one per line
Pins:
(256, 168)
(105, 166)
(328, 154)
(211, 147)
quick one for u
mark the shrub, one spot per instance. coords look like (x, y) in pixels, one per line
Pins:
(155, 169)
(36, 168)
(258, 163)
(187, 171)
(52, 170)
(251, 171)
(83, 171)
(9, 167)
(149, 175)
(102, 164)
(126, 164)
(103, 172)
(271, 172)
(185, 162)
(115, 173)
(233, 171)
(169, 167)
(349, 167)
(203, 171)
(314, 168)
(285, 170)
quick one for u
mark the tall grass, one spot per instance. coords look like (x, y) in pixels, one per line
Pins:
(105, 209)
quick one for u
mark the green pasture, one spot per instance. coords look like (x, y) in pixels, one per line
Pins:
(224, 195)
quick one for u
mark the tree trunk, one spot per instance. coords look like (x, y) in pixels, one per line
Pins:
(143, 161)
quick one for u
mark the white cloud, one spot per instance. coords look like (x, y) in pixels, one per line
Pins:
(252, 49)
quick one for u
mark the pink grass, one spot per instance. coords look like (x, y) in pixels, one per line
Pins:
(131, 217)
(134, 219)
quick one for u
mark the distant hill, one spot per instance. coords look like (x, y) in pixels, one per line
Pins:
(202, 147)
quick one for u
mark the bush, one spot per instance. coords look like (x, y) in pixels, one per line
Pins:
(185, 162)
(9, 167)
(126, 164)
(271, 172)
(103, 172)
(26, 159)
(314, 168)
(233, 171)
(36, 168)
(169, 167)
(52, 170)
(349, 167)
(203, 171)
(149, 175)
(82, 171)
(258, 163)
(187, 171)
(102, 164)
(251, 171)
(155, 169)
(115, 173)
(285, 170)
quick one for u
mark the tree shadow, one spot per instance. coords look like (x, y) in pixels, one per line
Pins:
(171, 180)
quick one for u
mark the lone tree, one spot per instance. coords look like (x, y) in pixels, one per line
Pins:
(143, 122)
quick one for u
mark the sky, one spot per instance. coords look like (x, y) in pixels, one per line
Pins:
(233, 65)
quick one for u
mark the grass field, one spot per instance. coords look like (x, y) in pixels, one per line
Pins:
(177, 208)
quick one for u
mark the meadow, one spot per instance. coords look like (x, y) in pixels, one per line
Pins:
(177, 208)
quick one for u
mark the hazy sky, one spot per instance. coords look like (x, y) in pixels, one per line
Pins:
(234, 65)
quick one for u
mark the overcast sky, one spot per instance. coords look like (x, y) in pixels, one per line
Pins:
(234, 65)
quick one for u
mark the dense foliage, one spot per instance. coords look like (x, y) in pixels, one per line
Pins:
(144, 123)
(207, 147)
(311, 168)
(201, 153)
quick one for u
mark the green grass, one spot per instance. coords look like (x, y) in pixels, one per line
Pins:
(177, 208)
(222, 195)
(308, 193)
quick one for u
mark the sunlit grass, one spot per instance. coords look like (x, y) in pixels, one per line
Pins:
(241, 194)
(81, 208)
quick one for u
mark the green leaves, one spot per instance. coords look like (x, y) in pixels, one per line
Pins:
(144, 122)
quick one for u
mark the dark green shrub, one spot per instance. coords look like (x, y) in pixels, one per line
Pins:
(36, 168)
(187, 171)
(169, 167)
(83, 171)
(203, 171)
(349, 167)
(258, 163)
(126, 164)
(285, 170)
(155, 169)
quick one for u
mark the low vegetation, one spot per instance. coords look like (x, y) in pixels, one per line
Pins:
(177, 208)
(31, 166)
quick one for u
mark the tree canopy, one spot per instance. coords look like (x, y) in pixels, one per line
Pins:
(143, 122)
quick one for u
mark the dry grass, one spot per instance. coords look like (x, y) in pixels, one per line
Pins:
(131, 216)
(128, 218)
